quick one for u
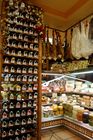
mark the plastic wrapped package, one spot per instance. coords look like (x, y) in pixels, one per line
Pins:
(85, 44)
(75, 43)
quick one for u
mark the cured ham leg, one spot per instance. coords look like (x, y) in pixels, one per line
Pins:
(54, 46)
(69, 38)
(59, 47)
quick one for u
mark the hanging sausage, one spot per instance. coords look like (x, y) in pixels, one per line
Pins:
(60, 50)
(47, 46)
(54, 47)
(50, 46)
(44, 51)
(69, 38)
(85, 43)
(75, 43)
(44, 47)
(91, 29)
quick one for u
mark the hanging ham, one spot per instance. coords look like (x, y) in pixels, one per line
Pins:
(75, 44)
(54, 47)
(44, 51)
(68, 49)
(81, 46)
(85, 44)
(47, 46)
(91, 29)
(60, 50)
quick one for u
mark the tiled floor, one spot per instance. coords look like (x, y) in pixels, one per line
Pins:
(59, 133)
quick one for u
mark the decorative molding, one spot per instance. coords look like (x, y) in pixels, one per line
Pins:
(65, 14)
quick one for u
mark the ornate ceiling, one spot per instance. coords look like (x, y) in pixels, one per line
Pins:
(62, 14)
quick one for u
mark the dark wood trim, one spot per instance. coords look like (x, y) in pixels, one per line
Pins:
(79, 21)
(39, 91)
(54, 29)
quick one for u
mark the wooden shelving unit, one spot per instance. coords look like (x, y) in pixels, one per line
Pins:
(20, 72)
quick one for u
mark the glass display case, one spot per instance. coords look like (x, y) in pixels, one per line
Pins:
(68, 99)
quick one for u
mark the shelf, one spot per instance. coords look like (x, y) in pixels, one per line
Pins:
(52, 118)
(11, 55)
(49, 104)
(19, 134)
(17, 125)
(22, 25)
(22, 19)
(51, 73)
(47, 93)
(22, 91)
(16, 73)
(27, 19)
(69, 72)
(25, 82)
(23, 33)
(80, 123)
(71, 92)
(51, 127)
(22, 48)
(87, 107)
(24, 65)
(79, 93)
(79, 127)
(22, 40)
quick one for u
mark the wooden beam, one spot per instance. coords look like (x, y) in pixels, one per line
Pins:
(39, 91)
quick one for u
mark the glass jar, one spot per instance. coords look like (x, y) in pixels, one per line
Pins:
(86, 116)
(75, 110)
(91, 118)
(80, 114)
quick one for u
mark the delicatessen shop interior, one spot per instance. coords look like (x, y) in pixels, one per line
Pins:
(46, 70)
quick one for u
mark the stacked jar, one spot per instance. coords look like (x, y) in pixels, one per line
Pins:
(85, 116)
(80, 112)
(91, 118)
(75, 110)
(91, 102)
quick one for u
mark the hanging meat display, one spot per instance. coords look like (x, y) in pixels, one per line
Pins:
(54, 46)
(59, 47)
(44, 51)
(75, 44)
(85, 43)
(91, 29)
(51, 55)
(68, 46)
(90, 36)
(81, 46)
(47, 45)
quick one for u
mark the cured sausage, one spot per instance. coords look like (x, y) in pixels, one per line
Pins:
(75, 43)
(60, 50)
(68, 49)
(54, 46)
